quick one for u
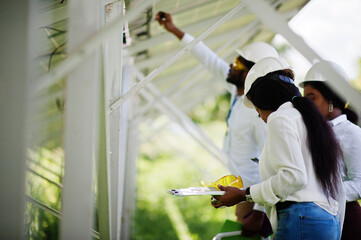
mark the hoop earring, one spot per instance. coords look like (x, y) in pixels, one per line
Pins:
(330, 107)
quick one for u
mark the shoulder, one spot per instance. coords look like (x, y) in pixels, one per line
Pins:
(350, 130)
(285, 113)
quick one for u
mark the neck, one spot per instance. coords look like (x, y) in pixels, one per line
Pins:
(334, 114)
(240, 91)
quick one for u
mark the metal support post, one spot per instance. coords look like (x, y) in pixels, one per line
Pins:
(15, 61)
(81, 125)
(130, 173)
(113, 64)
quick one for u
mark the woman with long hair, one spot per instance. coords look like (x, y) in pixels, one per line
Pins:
(343, 121)
(300, 163)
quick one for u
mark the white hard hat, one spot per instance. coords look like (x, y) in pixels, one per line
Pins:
(256, 51)
(314, 73)
(260, 69)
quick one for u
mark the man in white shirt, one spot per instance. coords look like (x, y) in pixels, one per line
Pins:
(246, 132)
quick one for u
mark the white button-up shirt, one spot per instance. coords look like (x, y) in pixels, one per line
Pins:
(349, 136)
(246, 131)
(286, 167)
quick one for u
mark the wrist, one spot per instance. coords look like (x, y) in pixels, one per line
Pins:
(248, 195)
(176, 31)
(242, 195)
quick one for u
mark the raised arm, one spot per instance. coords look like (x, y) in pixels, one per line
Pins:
(166, 20)
(209, 59)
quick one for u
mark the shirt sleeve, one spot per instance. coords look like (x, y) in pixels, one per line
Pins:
(352, 157)
(210, 60)
(282, 153)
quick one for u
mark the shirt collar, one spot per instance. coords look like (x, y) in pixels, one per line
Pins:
(240, 96)
(338, 120)
(286, 105)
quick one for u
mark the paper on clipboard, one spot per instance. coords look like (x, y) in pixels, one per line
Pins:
(195, 191)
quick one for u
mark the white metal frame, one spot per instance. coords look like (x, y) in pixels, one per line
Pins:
(168, 108)
(113, 67)
(81, 125)
(86, 48)
(14, 80)
(155, 72)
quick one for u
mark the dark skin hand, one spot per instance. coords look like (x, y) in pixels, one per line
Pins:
(166, 21)
(231, 197)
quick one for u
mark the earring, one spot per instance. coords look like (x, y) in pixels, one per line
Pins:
(330, 107)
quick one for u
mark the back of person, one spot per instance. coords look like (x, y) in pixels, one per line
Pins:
(300, 162)
(286, 136)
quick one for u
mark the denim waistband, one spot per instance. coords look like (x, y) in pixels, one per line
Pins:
(284, 205)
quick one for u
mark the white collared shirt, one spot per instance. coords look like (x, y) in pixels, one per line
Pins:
(246, 131)
(349, 136)
(286, 167)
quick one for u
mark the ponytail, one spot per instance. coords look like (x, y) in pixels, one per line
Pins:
(270, 92)
(351, 115)
(325, 149)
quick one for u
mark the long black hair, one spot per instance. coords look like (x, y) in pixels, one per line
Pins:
(271, 91)
(337, 101)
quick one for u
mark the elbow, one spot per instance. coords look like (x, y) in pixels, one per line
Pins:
(300, 183)
(299, 180)
(294, 180)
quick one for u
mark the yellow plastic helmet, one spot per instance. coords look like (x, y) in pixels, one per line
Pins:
(228, 180)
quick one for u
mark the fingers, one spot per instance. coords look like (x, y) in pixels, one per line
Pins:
(162, 17)
(217, 205)
(216, 202)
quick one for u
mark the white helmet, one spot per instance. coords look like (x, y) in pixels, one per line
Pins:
(256, 51)
(314, 73)
(260, 69)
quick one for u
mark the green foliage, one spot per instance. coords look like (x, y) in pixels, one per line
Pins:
(40, 224)
(152, 223)
(161, 168)
(213, 109)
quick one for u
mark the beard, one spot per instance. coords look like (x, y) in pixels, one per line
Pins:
(236, 78)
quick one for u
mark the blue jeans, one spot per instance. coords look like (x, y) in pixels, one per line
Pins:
(307, 221)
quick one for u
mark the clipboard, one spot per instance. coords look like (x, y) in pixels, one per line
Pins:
(195, 191)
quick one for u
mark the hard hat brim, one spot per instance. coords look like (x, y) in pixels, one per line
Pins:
(302, 84)
(248, 103)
